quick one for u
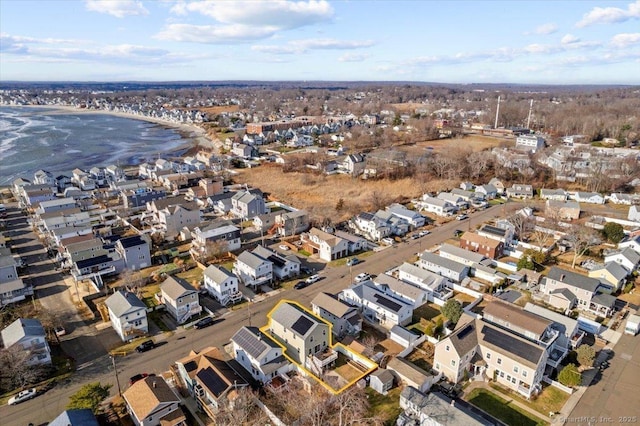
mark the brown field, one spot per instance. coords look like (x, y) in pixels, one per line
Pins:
(473, 142)
(408, 107)
(215, 110)
(319, 194)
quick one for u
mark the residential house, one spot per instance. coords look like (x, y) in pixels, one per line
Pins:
(447, 268)
(265, 222)
(460, 255)
(529, 142)
(411, 375)
(435, 409)
(103, 265)
(519, 190)
(381, 380)
(27, 335)
(221, 284)
(404, 336)
(55, 205)
(415, 219)
(627, 258)
(630, 242)
(344, 319)
(436, 205)
(8, 269)
(253, 269)
(562, 285)
(435, 285)
(587, 197)
(371, 226)
(354, 242)
(135, 251)
(567, 210)
(621, 198)
(553, 194)
(612, 276)
(259, 354)
(43, 177)
(328, 247)
(170, 215)
(77, 417)
(570, 335)
(377, 306)
(498, 185)
(215, 239)
(180, 299)
(489, 191)
(211, 379)
(403, 290)
(634, 213)
(13, 291)
(292, 223)
(305, 337)
(247, 205)
(455, 199)
(504, 234)
(485, 246)
(284, 267)
(354, 164)
(151, 402)
(128, 315)
(467, 186)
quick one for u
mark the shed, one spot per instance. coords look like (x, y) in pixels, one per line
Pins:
(403, 336)
(381, 380)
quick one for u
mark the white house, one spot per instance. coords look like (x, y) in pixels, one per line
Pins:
(252, 269)
(27, 335)
(377, 307)
(634, 213)
(180, 299)
(221, 284)
(415, 219)
(587, 197)
(259, 354)
(284, 267)
(451, 269)
(627, 258)
(128, 315)
(329, 247)
(530, 142)
(403, 290)
(435, 286)
(436, 205)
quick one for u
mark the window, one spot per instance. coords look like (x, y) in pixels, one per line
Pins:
(488, 355)
(446, 348)
(502, 374)
(453, 362)
(524, 373)
(513, 380)
(515, 369)
(508, 377)
(499, 361)
(437, 366)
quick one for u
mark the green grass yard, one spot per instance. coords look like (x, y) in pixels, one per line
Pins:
(384, 406)
(500, 408)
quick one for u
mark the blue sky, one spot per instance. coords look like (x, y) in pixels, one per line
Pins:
(557, 42)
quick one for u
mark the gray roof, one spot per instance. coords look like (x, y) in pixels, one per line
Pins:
(443, 410)
(21, 328)
(217, 274)
(628, 253)
(445, 263)
(573, 279)
(175, 287)
(384, 375)
(332, 305)
(254, 342)
(400, 287)
(566, 293)
(81, 417)
(618, 271)
(560, 322)
(292, 317)
(7, 261)
(122, 302)
(408, 370)
(460, 252)
(250, 259)
(464, 339)
(604, 299)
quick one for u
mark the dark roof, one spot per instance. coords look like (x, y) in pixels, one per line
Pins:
(464, 339)
(302, 325)
(136, 240)
(212, 381)
(366, 216)
(83, 417)
(387, 303)
(493, 230)
(574, 279)
(511, 344)
(253, 341)
(86, 263)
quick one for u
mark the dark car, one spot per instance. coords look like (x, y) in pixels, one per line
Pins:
(204, 322)
(137, 377)
(145, 346)
(300, 285)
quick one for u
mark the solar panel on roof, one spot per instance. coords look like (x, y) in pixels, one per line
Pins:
(190, 366)
(510, 343)
(387, 303)
(302, 325)
(249, 342)
(466, 330)
(212, 381)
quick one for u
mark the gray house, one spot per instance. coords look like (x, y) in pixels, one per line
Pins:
(135, 251)
(180, 299)
(447, 268)
(344, 319)
(28, 335)
(381, 380)
(247, 205)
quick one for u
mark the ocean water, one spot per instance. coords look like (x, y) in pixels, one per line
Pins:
(60, 141)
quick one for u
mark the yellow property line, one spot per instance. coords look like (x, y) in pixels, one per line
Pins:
(354, 355)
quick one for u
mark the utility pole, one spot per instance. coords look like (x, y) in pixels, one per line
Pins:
(495, 126)
(115, 370)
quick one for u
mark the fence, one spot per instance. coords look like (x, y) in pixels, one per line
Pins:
(465, 290)
(558, 385)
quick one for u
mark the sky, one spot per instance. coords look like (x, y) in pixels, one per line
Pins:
(446, 41)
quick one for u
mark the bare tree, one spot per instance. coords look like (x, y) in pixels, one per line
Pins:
(581, 239)
(241, 411)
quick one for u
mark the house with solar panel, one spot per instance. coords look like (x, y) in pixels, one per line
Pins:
(284, 267)
(259, 354)
(135, 251)
(211, 379)
(377, 306)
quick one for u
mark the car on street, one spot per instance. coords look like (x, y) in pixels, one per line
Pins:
(388, 241)
(423, 233)
(462, 217)
(283, 247)
(353, 261)
(203, 323)
(300, 285)
(145, 346)
(60, 331)
(415, 236)
(138, 377)
(312, 279)
(458, 232)
(362, 277)
(22, 396)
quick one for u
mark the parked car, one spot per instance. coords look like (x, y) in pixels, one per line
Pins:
(458, 232)
(137, 378)
(423, 233)
(22, 396)
(362, 277)
(300, 285)
(145, 346)
(415, 236)
(462, 217)
(283, 247)
(312, 279)
(60, 331)
(353, 261)
(203, 323)
(388, 241)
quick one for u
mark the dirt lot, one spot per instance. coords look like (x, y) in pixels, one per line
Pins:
(473, 142)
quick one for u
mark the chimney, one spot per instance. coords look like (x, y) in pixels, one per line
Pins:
(562, 277)
(154, 384)
(453, 402)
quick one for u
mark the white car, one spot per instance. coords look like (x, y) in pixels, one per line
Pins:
(362, 277)
(423, 233)
(312, 279)
(22, 396)
(283, 247)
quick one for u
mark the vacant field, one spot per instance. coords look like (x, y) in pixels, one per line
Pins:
(468, 142)
(215, 110)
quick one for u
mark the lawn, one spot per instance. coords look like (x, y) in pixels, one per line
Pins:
(193, 276)
(501, 409)
(385, 407)
(346, 370)
(425, 311)
(551, 399)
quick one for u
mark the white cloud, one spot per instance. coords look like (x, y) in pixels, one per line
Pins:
(19, 44)
(625, 39)
(352, 57)
(541, 48)
(241, 21)
(610, 15)
(548, 28)
(301, 46)
(117, 8)
(569, 39)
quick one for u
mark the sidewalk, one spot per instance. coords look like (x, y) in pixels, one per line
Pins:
(510, 400)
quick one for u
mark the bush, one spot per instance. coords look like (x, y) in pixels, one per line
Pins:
(570, 376)
(586, 355)
(452, 310)
(613, 232)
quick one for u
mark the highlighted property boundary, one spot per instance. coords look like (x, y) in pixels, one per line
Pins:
(338, 347)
